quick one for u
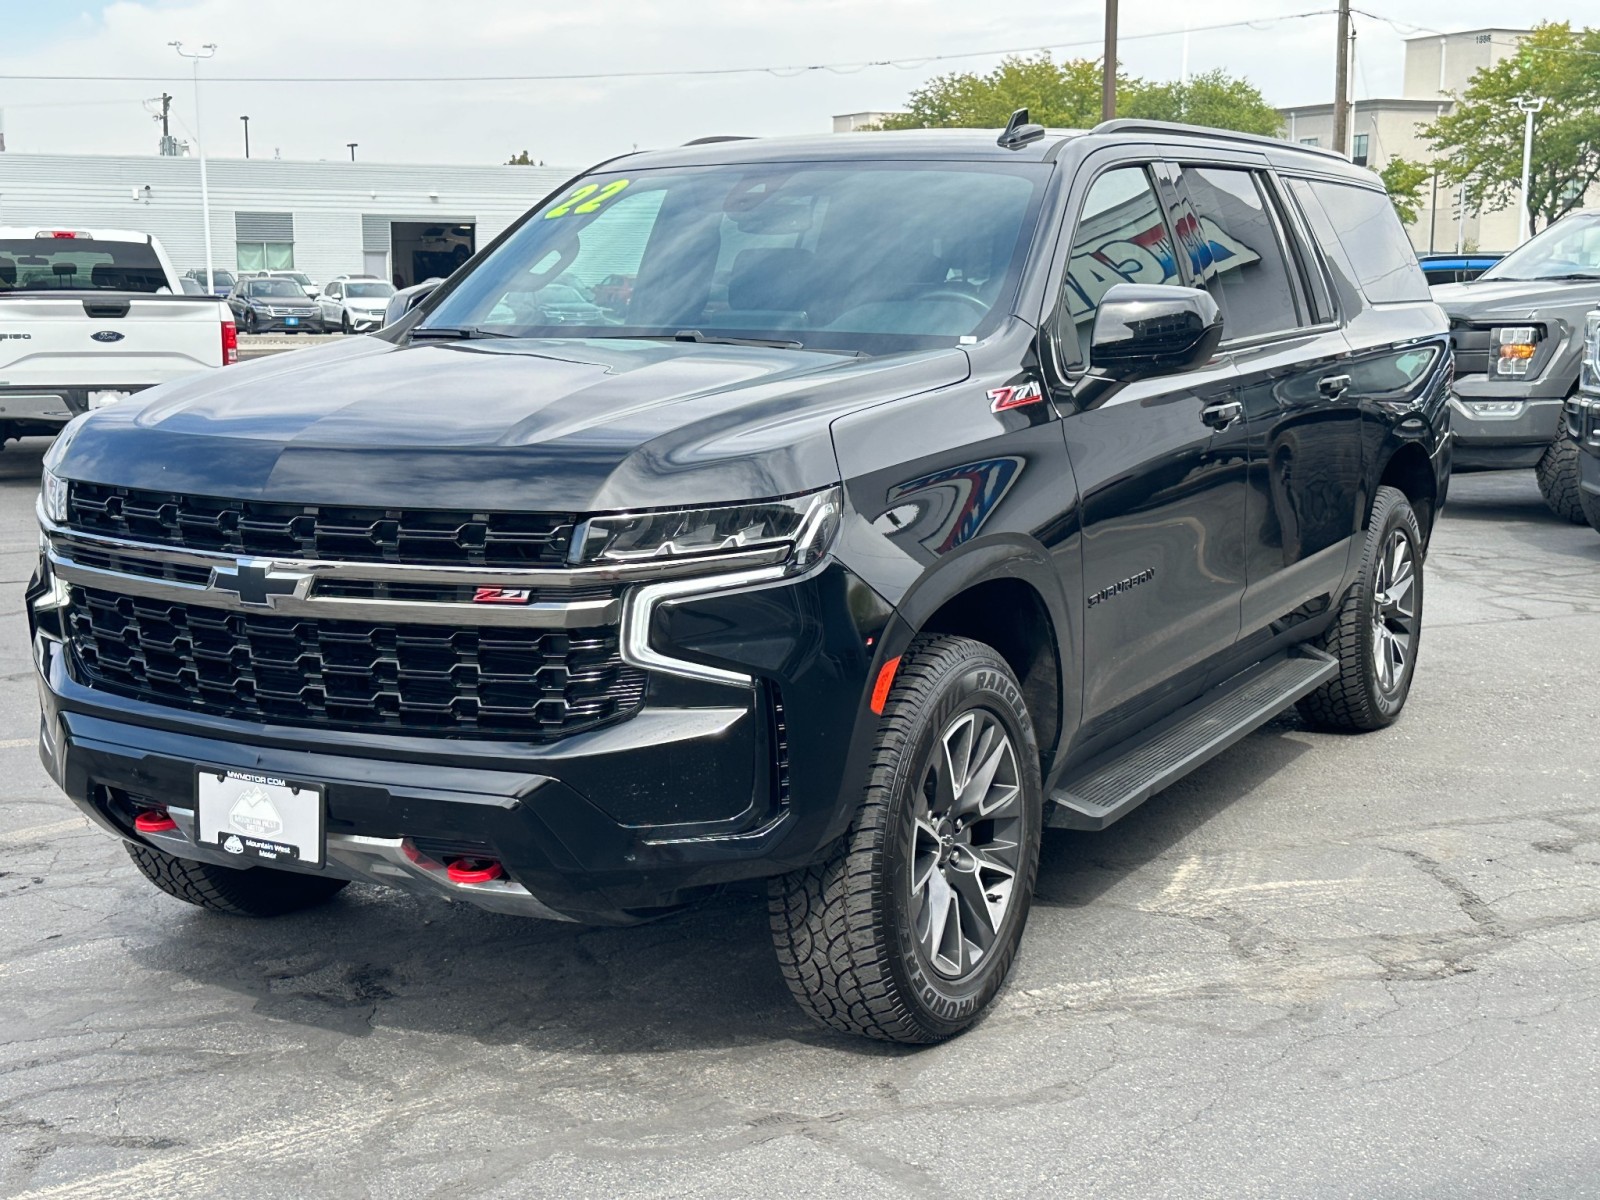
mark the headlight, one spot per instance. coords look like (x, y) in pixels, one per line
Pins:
(1515, 347)
(803, 526)
(1591, 354)
(53, 497)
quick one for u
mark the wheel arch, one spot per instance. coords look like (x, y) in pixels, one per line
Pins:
(1409, 470)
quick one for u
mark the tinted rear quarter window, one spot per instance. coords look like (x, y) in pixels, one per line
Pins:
(1374, 241)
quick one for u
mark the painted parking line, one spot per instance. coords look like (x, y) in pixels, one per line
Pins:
(34, 832)
(17, 743)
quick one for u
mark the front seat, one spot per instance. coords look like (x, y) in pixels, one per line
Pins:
(770, 289)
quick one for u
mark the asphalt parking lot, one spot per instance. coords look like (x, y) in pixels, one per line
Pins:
(1321, 966)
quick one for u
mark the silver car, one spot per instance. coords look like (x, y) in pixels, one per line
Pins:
(353, 305)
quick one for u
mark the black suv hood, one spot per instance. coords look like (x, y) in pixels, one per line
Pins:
(530, 425)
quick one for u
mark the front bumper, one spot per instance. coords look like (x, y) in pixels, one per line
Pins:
(306, 322)
(707, 784)
(1501, 425)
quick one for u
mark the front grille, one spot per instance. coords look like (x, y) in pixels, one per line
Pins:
(534, 684)
(419, 537)
(1472, 348)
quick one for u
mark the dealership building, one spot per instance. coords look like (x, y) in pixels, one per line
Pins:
(403, 223)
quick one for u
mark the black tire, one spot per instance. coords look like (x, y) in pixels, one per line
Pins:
(847, 929)
(1590, 503)
(1364, 696)
(1557, 473)
(250, 322)
(252, 892)
(344, 324)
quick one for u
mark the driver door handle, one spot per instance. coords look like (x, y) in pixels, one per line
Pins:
(1222, 414)
(1333, 386)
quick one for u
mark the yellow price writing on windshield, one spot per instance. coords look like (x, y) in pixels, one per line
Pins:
(586, 199)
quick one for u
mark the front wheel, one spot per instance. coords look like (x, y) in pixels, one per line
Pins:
(1379, 627)
(1590, 502)
(252, 892)
(344, 324)
(1557, 473)
(909, 928)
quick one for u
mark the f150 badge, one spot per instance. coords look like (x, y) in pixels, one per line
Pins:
(1017, 396)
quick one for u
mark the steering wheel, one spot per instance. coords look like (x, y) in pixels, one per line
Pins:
(952, 294)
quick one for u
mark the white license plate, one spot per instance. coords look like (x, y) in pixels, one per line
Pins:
(291, 320)
(259, 816)
(105, 396)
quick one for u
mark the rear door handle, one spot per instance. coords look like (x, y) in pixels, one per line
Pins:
(1333, 386)
(1222, 414)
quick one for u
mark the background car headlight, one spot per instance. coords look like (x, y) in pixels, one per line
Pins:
(802, 526)
(53, 497)
(1515, 346)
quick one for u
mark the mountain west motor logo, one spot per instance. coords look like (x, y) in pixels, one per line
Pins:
(254, 814)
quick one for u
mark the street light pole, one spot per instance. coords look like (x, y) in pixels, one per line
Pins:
(196, 58)
(1529, 106)
(246, 121)
(352, 146)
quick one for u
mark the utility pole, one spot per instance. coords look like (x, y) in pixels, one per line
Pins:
(166, 109)
(1108, 77)
(246, 121)
(1341, 83)
(352, 146)
(196, 58)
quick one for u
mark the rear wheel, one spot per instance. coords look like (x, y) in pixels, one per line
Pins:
(1557, 473)
(253, 892)
(908, 930)
(1379, 627)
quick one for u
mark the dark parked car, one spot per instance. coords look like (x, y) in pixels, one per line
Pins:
(1518, 332)
(1583, 423)
(1003, 483)
(222, 282)
(267, 305)
(614, 291)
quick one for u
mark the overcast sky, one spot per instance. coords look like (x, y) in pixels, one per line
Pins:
(574, 122)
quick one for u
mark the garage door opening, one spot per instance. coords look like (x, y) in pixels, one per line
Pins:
(427, 249)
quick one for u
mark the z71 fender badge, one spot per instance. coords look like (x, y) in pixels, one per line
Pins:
(1002, 398)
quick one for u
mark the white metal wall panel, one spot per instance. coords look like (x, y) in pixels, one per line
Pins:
(327, 200)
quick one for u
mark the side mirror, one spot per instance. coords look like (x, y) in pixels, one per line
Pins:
(406, 299)
(1145, 329)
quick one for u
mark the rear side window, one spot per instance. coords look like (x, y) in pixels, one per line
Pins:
(1370, 232)
(1241, 257)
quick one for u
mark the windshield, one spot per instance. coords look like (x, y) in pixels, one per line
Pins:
(369, 291)
(1569, 247)
(276, 287)
(51, 264)
(860, 257)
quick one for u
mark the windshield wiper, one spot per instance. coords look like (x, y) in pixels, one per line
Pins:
(453, 333)
(694, 335)
(1570, 276)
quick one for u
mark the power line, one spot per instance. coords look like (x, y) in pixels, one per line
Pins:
(907, 63)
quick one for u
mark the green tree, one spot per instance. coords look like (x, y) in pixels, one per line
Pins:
(1214, 98)
(1404, 179)
(522, 160)
(1062, 95)
(1480, 142)
(1066, 95)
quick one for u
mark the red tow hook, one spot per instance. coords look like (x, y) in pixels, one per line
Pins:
(473, 870)
(154, 820)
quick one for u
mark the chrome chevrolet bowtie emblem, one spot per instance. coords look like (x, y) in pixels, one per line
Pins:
(255, 582)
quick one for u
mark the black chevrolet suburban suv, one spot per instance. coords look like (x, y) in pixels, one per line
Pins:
(923, 491)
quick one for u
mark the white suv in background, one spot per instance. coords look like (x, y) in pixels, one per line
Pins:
(353, 305)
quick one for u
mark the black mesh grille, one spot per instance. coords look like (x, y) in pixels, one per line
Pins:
(536, 684)
(422, 537)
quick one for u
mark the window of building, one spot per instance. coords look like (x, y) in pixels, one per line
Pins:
(1360, 155)
(1311, 141)
(1242, 261)
(265, 256)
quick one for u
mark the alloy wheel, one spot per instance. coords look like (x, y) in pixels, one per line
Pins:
(966, 843)
(1394, 611)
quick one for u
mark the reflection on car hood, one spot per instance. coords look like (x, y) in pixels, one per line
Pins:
(554, 425)
(1482, 299)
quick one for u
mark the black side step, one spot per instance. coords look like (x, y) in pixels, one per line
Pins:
(1113, 785)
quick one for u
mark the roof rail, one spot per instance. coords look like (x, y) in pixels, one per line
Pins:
(1134, 125)
(722, 137)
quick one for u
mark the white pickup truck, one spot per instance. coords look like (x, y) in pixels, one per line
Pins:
(88, 317)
